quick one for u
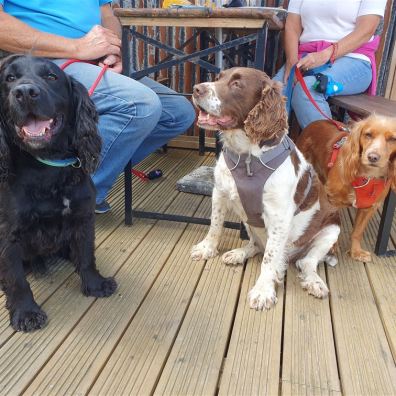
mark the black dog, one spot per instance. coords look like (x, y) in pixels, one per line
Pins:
(49, 145)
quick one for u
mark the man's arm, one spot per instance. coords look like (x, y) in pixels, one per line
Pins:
(17, 36)
(111, 22)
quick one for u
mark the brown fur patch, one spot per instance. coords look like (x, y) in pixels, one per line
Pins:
(312, 195)
(325, 216)
(295, 161)
(301, 188)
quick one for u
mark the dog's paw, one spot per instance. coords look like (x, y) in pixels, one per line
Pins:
(234, 257)
(315, 286)
(101, 287)
(28, 320)
(361, 255)
(203, 251)
(261, 298)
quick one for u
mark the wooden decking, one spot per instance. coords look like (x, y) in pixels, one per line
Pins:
(181, 327)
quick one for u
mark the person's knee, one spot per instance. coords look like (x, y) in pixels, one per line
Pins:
(184, 114)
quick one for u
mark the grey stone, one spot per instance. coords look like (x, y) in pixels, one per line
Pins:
(199, 181)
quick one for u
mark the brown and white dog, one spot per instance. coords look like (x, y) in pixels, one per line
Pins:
(368, 154)
(249, 110)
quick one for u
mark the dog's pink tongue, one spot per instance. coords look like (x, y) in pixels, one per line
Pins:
(205, 118)
(36, 127)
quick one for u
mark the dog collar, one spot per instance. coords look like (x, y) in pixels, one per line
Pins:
(61, 163)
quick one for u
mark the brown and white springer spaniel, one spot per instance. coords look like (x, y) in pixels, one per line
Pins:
(249, 110)
(363, 171)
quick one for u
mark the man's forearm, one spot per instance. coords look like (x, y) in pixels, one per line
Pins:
(17, 36)
(109, 21)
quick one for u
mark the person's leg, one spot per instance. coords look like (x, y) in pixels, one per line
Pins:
(177, 116)
(279, 75)
(128, 113)
(355, 76)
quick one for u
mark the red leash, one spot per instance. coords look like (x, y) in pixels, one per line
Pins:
(301, 80)
(143, 176)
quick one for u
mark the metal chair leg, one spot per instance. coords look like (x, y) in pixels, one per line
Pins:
(128, 193)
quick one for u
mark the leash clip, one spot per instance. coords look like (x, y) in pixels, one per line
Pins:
(248, 160)
(337, 145)
(77, 164)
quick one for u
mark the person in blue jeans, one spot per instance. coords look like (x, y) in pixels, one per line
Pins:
(338, 32)
(133, 119)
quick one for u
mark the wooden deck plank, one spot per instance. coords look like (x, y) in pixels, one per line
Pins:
(55, 333)
(94, 343)
(382, 275)
(309, 359)
(42, 288)
(252, 364)
(136, 363)
(364, 358)
(29, 352)
(196, 358)
(142, 190)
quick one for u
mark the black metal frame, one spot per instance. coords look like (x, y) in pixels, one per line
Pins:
(385, 227)
(179, 58)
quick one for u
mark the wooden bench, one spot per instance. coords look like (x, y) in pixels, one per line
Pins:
(364, 105)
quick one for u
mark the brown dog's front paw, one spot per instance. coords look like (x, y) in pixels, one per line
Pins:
(361, 255)
(28, 319)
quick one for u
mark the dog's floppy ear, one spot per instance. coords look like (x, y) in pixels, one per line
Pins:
(268, 119)
(5, 157)
(86, 140)
(352, 146)
(4, 149)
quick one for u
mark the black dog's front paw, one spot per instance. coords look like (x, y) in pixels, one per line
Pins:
(27, 320)
(100, 287)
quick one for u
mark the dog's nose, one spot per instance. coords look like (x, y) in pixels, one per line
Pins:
(26, 91)
(199, 90)
(373, 157)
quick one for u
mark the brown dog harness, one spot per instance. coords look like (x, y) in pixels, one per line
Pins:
(251, 173)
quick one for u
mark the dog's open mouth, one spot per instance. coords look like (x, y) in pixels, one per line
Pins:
(35, 128)
(210, 121)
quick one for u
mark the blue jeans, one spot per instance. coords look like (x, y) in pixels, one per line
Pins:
(354, 74)
(133, 120)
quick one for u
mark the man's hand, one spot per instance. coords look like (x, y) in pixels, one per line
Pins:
(114, 62)
(315, 59)
(99, 42)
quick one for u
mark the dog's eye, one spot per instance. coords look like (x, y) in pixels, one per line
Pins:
(368, 135)
(10, 78)
(51, 77)
(392, 138)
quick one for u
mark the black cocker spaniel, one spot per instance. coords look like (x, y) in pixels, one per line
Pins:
(49, 145)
